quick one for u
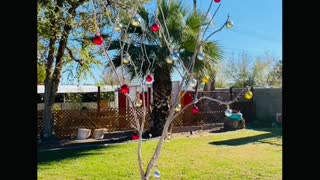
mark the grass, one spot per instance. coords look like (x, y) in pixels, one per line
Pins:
(242, 154)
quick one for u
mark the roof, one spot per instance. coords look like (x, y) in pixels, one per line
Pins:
(93, 88)
(77, 89)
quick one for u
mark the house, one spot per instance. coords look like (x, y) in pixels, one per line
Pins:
(90, 95)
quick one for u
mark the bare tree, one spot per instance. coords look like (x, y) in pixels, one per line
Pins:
(188, 79)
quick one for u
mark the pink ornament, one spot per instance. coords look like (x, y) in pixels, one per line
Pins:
(149, 78)
(217, 1)
(125, 89)
(195, 110)
(155, 27)
(98, 40)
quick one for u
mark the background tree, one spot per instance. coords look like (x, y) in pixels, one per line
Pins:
(263, 71)
(275, 75)
(65, 33)
(41, 71)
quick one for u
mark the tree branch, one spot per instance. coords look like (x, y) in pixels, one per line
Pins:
(73, 58)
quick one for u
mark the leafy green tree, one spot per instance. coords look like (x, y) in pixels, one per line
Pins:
(261, 72)
(65, 33)
(41, 71)
(275, 75)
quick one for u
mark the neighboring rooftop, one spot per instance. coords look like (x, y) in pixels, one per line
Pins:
(77, 89)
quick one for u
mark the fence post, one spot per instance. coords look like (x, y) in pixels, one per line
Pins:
(253, 108)
(98, 101)
(230, 93)
(251, 89)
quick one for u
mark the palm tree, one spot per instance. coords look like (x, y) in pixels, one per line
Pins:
(182, 31)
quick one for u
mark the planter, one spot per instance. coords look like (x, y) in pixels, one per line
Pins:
(230, 124)
(83, 134)
(98, 133)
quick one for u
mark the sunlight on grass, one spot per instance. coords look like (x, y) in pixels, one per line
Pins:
(242, 154)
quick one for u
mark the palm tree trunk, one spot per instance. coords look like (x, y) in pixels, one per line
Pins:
(162, 87)
(210, 86)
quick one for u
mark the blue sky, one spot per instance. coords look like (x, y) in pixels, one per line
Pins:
(257, 28)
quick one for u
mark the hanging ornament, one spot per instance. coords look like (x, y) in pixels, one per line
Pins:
(217, 1)
(98, 40)
(248, 95)
(125, 89)
(136, 21)
(157, 174)
(177, 108)
(229, 24)
(155, 27)
(138, 102)
(175, 56)
(108, 38)
(118, 27)
(193, 82)
(135, 137)
(201, 86)
(195, 110)
(205, 79)
(228, 112)
(126, 58)
(201, 55)
(149, 78)
(169, 60)
(126, 39)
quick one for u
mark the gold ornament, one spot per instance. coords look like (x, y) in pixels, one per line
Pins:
(138, 102)
(126, 59)
(136, 21)
(178, 108)
(229, 24)
(248, 95)
(205, 79)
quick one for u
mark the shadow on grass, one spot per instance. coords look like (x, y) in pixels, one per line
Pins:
(72, 153)
(76, 150)
(270, 133)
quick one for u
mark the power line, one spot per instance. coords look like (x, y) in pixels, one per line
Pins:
(251, 34)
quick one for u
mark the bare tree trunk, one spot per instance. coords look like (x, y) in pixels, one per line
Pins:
(157, 152)
(194, 5)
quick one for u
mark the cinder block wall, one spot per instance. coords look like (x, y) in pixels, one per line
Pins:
(268, 103)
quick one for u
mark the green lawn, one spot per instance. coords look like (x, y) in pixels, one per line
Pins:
(242, 154)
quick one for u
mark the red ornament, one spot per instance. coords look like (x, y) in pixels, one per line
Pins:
(125, 89)
(98, 40)
(195, 110)
(149, 78)
(217, 1)
(135, 137)
(155, 27)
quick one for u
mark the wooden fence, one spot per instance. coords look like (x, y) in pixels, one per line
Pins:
(67, 122)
